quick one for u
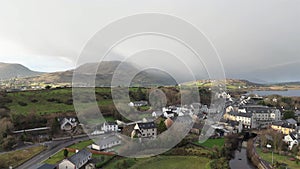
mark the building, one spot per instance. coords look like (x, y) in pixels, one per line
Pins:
(138, 104)
(297, 116)
(76, 161)
(284, 127)
(254, 116)
(146, 130)
(291, 139)
(67, 123)
(245, 119)
(107, 142)
(109, 127)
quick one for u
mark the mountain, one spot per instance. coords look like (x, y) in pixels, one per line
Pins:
(8, 71)
(105, 73)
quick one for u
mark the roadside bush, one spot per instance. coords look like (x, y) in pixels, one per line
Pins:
(34, 101)
(69, 102)
(22, 103)
(54, 100)
(8, 143)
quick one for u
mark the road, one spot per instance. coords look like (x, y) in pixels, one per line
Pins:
(56, 146)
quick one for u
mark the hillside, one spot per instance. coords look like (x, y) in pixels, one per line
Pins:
(105, 73)
(8, 71)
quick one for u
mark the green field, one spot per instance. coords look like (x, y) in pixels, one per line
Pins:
(50, 101)
(60, 155)
(278, 158)
(15, 158)
(162, 162)
(210, 143)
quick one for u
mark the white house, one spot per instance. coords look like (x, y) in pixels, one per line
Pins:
(291, 139)
(109, 127)
(67, 123)
(107, 142)
(145, 129)
(169, 114)
(154, 114)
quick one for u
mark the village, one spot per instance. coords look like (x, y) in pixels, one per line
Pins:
(241, 115)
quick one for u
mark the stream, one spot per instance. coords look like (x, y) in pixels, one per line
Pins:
(240, 160)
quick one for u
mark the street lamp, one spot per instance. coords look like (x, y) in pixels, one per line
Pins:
(269, 147)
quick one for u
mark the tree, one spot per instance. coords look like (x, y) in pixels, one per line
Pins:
(48, 87)
(8, 142)
(66, 153)
(288, 114)
(5, 127)
(161, 127)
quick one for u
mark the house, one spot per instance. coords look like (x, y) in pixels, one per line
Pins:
(291, 139)
(254, 116)
(297, 116)
(291, 121)
(168, 122)
(76, 161)
(109, 127)
(245, 119)
(90, 166)
(106, 143)
(169, 114)
(67, 123)
(196, 129)
(284, 127)
(146, 130)
(138, 104)
(154, 114)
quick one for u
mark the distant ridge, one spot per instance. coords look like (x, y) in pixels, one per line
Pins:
(11, 70)
(105, 72)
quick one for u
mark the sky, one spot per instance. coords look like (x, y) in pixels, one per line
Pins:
(256, 40)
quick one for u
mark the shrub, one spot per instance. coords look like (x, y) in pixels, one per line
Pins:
(22, 103)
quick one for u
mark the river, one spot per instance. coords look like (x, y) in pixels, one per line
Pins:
(286, 93)
(240, 160)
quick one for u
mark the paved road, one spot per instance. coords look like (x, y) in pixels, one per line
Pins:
(34, 162)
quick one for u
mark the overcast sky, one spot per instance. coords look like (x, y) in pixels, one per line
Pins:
(256, 40)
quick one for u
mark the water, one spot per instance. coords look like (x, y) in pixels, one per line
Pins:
(240, 160)
(286, 93)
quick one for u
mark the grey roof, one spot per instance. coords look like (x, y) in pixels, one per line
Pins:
(257, 109)
(240, 114)
(244, 115)
(284, 124)
(297, 113)
(108, 140)
(140, 102)
(291, 121)
(47, 166)
(111, 123)
(148, 125)
(80, 156)
(292, 136)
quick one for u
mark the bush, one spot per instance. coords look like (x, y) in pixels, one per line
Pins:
(9, 142)
(22, 103)
(54, 100)
(34, 101)
(69, 102)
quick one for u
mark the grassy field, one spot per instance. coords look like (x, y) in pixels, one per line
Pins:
(210, 143)
(50, 101)
(18, 157)
(278, 158)
(162, 162)
(60, 155)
